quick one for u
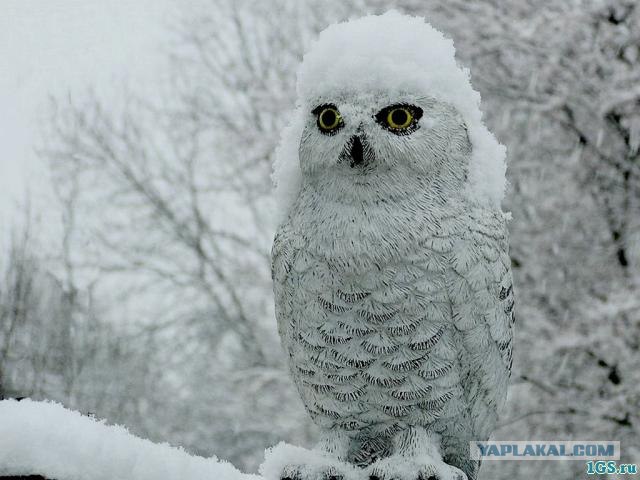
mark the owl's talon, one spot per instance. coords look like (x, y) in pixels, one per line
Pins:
(332, 474)
(300, 472)
(290, 477)
(424, 467)
(291, 472)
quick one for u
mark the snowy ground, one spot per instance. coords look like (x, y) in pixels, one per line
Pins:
(47, 439)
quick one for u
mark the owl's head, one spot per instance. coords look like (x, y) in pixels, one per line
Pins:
(383, 143)
(382, 104)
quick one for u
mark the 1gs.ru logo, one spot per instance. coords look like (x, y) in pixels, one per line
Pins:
(611, 467)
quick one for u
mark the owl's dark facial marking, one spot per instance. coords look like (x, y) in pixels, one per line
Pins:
(357, 152)
(400, 119)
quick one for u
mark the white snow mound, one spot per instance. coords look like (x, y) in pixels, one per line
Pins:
(391, 53)
(46, 439)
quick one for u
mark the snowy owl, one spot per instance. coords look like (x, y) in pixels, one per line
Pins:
(391, 271)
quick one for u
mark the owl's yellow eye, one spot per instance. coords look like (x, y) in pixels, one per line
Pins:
(329, 119)
(400, 119)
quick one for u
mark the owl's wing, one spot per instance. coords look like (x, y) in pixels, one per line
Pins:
(282, 258)
(480, 289)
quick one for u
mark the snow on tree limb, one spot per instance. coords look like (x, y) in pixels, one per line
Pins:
(47, 439)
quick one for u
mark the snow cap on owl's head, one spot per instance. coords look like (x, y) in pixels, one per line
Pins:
(390, 53)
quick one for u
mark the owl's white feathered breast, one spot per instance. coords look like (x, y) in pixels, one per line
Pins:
(396, 314)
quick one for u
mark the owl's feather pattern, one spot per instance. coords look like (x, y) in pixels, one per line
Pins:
(387, 326)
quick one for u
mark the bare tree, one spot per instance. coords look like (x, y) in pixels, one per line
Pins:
(18, 299)
(167, 200)
(36, 354)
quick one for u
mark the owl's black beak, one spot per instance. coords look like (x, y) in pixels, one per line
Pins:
(360, 153)
(356, 152)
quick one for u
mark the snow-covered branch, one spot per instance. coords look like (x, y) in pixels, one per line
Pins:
(45, 438)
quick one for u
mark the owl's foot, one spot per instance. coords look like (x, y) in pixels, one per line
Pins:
(288, 462)
(305, 472)
(416, 456)
(398, 467)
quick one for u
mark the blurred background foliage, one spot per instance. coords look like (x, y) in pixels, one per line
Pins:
(156, 310)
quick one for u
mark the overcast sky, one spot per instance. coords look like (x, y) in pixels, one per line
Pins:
(56, 46)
